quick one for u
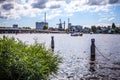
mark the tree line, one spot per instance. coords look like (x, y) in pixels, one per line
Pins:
(113, 29)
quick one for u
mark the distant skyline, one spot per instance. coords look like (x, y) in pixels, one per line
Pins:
(26, 13)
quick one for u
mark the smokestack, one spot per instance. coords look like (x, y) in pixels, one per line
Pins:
(64, 25)
(60, 21)
(68, 22)
(45, 17)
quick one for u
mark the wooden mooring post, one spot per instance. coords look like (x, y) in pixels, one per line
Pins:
(92, 57)
(52, 43)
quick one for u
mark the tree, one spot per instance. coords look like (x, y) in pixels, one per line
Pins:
(27, 27)
(19, 61)
(117, 30)
(113, 26)
(109, 27)
(45, 27)
(93, 29)
(98, 28)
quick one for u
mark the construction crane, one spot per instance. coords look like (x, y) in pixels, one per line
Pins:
(60, 24)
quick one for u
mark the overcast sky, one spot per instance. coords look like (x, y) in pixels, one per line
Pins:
(80, 12)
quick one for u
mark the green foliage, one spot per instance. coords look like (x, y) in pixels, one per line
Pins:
(26, 27)
(117, 30)
(113, 25)
(93, 28)
(45, 27)
(19, 61)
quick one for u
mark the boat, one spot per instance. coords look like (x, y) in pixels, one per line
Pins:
(91, 32)
(76, 34)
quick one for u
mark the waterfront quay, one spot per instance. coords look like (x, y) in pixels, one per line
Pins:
(21, 30)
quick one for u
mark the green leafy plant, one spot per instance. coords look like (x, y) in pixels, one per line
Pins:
(19, 61)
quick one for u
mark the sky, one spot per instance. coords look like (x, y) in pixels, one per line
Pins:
(80, 12)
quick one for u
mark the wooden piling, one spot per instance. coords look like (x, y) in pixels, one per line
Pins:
(52, 43)
(92, 58)
(92, 67)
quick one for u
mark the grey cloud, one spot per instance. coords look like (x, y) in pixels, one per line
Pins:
(102, 2)
(7, 6)
(54, 6)
(114, 1)
(2, 1)
(40, 4)
(3, 17)
(96, 2)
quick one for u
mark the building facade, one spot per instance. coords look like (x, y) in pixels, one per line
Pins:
(15, 25)
(74, 28)
(40, 25)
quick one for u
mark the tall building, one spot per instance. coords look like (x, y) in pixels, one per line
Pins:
(40, 25)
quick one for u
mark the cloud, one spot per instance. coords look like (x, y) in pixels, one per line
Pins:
(2, 1)
(2, 17)
(68, 1)
(17, 8)
(106, 16)
(7, 6)
(54, 13)
(114, 1)
(54, 6)
(110, 19)
(102, 2)
(41, 4)
(53, 16)
(97, 2)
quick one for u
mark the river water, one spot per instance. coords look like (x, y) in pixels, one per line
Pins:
(75, 51)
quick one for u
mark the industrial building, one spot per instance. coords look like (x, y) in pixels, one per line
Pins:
(40, 25)
(74, 28)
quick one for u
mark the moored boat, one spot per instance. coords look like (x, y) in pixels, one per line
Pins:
(76, 34)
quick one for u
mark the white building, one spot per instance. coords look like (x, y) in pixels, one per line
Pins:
(40, 25)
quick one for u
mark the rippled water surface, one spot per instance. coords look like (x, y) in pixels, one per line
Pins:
(75, 51)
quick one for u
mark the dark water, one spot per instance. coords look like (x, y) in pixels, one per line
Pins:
(75, 52)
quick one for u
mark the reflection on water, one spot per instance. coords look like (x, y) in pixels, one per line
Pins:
(75, 52)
